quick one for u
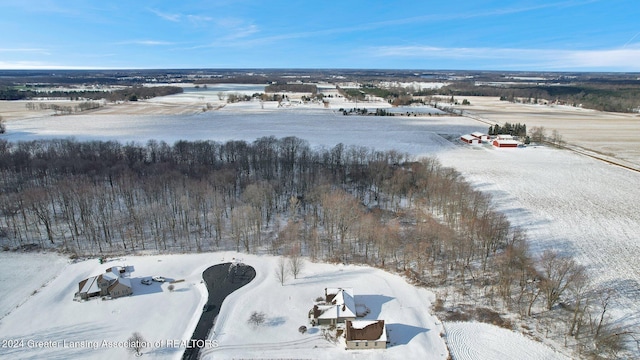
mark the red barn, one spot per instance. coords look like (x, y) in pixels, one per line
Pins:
(469, 139)
(505, 143)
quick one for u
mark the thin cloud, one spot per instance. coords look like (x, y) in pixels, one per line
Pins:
(23, 50)
(36, 65)
(623, 58)
(167, 16)
(630, 40)
(145, 42)
(288, 35)
(178, 17)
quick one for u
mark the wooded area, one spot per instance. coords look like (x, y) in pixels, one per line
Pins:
(343, 204)
(132, 93)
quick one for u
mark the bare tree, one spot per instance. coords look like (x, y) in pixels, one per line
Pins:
(556, 138)
(558, 273)
(296, 265)
(282, 274)
(136, 343)
(538, 134)
(257, 318)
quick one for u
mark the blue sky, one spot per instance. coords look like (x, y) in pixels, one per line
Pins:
(536, 35)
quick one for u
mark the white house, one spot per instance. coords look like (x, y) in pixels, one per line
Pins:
(339, 306)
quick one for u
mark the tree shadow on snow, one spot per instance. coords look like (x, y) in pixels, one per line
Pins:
(275, 321)
(401, 334)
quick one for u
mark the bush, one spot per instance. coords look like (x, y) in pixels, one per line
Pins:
(257, 318)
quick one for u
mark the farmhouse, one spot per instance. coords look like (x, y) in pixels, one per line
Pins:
(111, 283)
(339, 306)
(470, 139)
(363, 334)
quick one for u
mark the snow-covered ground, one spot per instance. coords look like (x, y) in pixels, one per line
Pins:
(52, 325)
(20, 285)
(417, 135)
(567, 202)
(473, 340)
(564, 201)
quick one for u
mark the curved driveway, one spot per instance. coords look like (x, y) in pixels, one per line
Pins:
(221, 280)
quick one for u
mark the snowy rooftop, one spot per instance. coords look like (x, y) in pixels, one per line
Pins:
(366, 330)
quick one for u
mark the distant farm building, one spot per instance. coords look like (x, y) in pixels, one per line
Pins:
(505, 143)
(363, 334)
(504, 137)
(481, 136)
(470, 139)
(111, 284)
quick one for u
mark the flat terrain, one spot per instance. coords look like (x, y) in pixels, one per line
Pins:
(565, 201)
(612, 134)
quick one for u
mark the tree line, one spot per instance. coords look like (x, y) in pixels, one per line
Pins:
(345, 204)
(301, 88)
(603, 96)
(62, 109)
(509, 129)
(128, 93)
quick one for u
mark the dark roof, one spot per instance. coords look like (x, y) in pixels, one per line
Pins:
(372, 331)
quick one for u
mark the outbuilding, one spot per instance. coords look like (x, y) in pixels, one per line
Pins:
(505, 143)
(470, 139)
(481, 136)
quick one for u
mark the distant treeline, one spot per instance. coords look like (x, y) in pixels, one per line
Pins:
(131, 93)
(301, 88)
(601, 96)
(62, 109)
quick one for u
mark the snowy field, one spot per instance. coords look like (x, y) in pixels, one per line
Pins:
(608, 134)
(51, 325)
(321, 127)
(54, 326)
(567, 202)
(472, 341)
(43, 268)
(564, 201)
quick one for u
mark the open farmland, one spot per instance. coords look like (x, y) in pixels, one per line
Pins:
(564, 201)
(614, 135)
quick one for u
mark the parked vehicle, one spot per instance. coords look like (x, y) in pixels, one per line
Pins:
(146, 281)
(158, 278)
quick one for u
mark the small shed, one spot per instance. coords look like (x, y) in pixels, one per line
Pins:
(470, 139)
